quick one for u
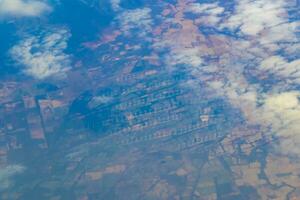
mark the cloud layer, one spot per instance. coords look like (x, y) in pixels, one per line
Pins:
(43, 56)
(265, 41)
(267, 30)
(21, 8)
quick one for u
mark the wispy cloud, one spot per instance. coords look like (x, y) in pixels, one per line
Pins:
(266, 30)
(22, 8)
(115, 4)
(210, 13)
(190, 57)
(252, 17)
(279, 66)
(43, 56)
(138, 20)
(267, 20)
(205, 8)
(7, 173)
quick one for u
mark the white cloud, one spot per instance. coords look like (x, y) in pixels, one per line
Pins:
(266, 30)
(139, 19)
(190, 57)
(210, 9)
(277, 111)
(7, 173)
(209, 13)
(282, 112)
(252, 17)
(115, 4)
(267, 20)
(22, 8)
(284, 69)
(43, 56)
